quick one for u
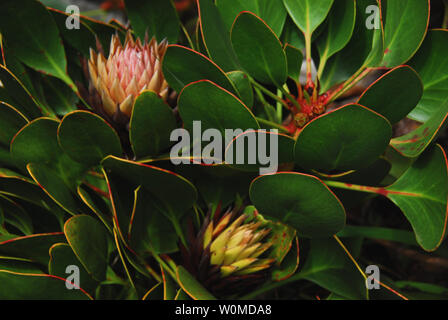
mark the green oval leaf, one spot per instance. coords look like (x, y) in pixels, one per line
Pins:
(36, 142)
(348, 138)
(216, 36)
(22, 286)
(299, 200)
(215, 107)
(394, 94)
(62, 256)
(152, 122)
(308, 14)
(421, 193)
(365, 49)
(404, 29)
(339, 30)
(415, 142)
(87, 138)
(433, 69)
(33, 37)
(258, 49)
(271, 11)
(182, 66)
(89, 241)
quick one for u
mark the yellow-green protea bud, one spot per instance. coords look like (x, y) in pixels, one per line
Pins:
(130, 69)
(228, 254)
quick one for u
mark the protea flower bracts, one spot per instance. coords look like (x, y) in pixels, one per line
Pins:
(228, 254)
(130, 69)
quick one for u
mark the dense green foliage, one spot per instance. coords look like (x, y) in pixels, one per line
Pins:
(77, 188)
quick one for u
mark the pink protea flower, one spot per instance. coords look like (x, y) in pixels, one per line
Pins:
(130, 69)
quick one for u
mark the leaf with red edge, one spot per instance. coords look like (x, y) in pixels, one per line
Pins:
(32, 35)
(24, 286)
(365, 49)
(36, 142)
(169, 286)
(18, 94)
(56, 188)
(89, 241)
(82, 39)
(122, 201)
(415, 142)
(338, 30)
(149, 229)
(289, 265)
(348, 138)
(308, 14)
(34, 247)
(182, 66)
(125, 176)
(23, 188)
(11, 121)
(155, 293)
(421, 193)
(405, 28)
(432, 68)
(394, 94)
(87, 138)
(328, 266)
(215, 107)
(191, 286)
(62, 256)
(243, 86)
(299, 200)
(258, 49)
(216, 36)
(260, 143)
(151, 124)
(271, 11)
